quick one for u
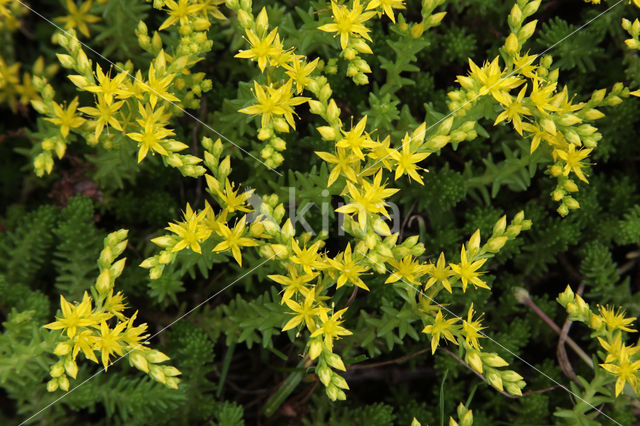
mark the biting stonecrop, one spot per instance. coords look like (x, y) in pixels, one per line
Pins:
(99, 325)
(136, 106)
(130, 106)
(609, 326)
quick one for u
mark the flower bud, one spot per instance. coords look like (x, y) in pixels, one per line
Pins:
(63, 382)
(335, 361)
(511, 44)
(496, 243)
(495, 380)
(103, 283)
(527, 31)
(473, 359)
(71, 367)
(494, 360)
(139, 361)
(510, 376)
(324, 374)
(52, 385)
(315, 349)
(63, 348)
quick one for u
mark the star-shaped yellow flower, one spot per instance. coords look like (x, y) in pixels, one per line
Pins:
(348, 22)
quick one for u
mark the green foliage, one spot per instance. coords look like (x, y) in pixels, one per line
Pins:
(231, 351)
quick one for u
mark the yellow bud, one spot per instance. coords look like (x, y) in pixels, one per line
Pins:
(549, 126)
(244, 18)
(139, 361)
(511, 44)
(500, 225)
(157, 374)
(103, 283)
(495, 380)
(63, 348)
(335, 361)
(496, 243)
(510, 376)
(527, 31)
(63, 382)
(417, 30)
(52, 385)
(57, 370)
(333, 112)
(435, 19)
(494, 360)
(474, 360)
(65, 60)
(328, 133)
(315, 349)
(71, 367)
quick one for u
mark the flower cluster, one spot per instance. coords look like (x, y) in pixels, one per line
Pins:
(359, 165)
(609, 326)
(130, 106)
(98, 324)
(527, 91)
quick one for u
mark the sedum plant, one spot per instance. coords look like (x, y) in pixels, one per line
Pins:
(436, 201)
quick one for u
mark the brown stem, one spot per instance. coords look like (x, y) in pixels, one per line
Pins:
(353, 295)
(392, 361)
(561, 352)
(544, 317)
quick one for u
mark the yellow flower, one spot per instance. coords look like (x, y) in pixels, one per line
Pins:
(439, 272)
(615, 347)
(387, 6)
(305, 311)
(150, 138)
(157, 87)
(261, 49)
(78, 17)
(348, 22)
(109, 87)
(513, 111)
(293, 283)
(231, 201)
(349, 269)
(369, 199)
(616, 320)
(274, 102)
(541, 95)
(407, 160)
(308, 258)
(343, 165)
(233, 239)
(625, 370)
(573, 161)
(491, 77)
(191, 231)
(133, 335)
(104, 114)
(66, 118)
(74, 316)
(331, 328)
(471, 329)
(84, 341)
(356, 139)
(406, 269)
(108, 342)
(299, 71)
(210, 7)
(466, 270)
(179, 12)
(440, 328)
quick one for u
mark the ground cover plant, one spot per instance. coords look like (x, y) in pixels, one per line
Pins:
(381, 212)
